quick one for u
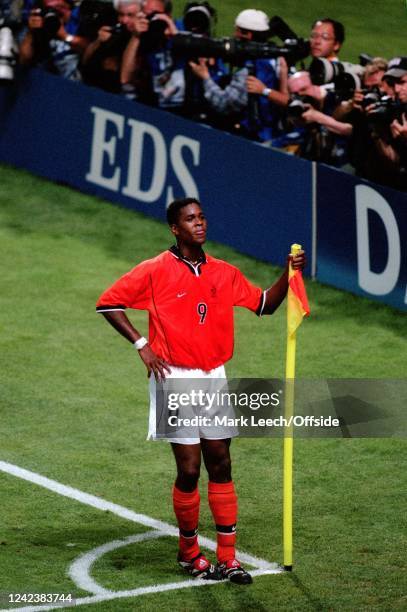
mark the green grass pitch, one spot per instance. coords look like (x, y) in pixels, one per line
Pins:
(74, 409)
(74, 404)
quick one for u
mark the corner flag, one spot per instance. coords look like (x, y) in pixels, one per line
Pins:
(297, 308)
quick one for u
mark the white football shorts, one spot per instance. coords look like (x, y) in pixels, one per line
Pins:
(212, 383)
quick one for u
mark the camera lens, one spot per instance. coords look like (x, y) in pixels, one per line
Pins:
(52, 23)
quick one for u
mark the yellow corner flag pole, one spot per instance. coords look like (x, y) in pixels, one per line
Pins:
(297, 307)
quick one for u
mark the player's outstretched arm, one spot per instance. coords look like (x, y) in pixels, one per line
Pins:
(119, 320)
(277, 292)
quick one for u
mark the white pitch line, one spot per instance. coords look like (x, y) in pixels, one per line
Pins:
(79, 571)
(161, 529)
(171, 586)
(130, 515)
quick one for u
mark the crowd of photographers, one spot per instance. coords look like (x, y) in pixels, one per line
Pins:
(296, 95)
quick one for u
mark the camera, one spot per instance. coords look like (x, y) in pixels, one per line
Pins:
(95, 14)
(342, 74)
(386, 110)
(117, 29)
(370, 96)
(298, 105)
(237, 51)
(233, 50)
(154, 38)
(365, 59)
(51, 21)
(345, 77)
(8, 54)
(198, 17)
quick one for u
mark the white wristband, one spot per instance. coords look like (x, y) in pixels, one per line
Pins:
(140, 343)
(266, 92)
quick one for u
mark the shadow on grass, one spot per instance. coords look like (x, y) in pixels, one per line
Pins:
(313, 601)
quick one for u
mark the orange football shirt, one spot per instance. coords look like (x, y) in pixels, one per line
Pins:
(190, 306)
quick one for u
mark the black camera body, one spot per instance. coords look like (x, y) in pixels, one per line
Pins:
(95, 14)
(52, 21)
(117, 29)
(370, 96)
(199, 17)
(298, 105)
(386, 110)
(155, 38)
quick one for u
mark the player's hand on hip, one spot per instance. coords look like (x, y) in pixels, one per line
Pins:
(299, 261)
(154, 364)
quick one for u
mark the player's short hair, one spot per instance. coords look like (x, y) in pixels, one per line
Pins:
(338, 28)
(174, 208)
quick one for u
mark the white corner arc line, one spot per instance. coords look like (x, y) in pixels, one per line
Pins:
(79, 570)
(162, 529)
(130, 515)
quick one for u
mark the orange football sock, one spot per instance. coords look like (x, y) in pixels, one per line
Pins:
(186, 508)
(223, 504)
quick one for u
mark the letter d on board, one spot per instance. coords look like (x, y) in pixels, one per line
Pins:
(376, 283)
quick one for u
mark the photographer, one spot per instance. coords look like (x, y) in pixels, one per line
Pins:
(391, 142)
(372, 84)
(149, 72)
(255, 89)
(102, 58)
(198, 19)
(319, 137)
(54, 38)
(374, 112)
(326, 39)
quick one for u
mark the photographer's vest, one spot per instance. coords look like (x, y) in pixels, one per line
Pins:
(266, 122)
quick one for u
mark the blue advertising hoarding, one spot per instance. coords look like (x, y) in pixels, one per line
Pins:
(257, 200)
(361, 237)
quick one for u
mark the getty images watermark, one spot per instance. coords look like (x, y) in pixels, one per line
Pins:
(217, 408)
(206, 402)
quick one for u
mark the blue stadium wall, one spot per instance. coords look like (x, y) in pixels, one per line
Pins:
(257, 200)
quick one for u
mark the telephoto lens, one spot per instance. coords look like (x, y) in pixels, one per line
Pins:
(8, 54)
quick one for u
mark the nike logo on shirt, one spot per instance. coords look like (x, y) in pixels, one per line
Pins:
(181, 294)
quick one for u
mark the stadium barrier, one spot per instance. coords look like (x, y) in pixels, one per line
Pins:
(257, 200)
(360, 232)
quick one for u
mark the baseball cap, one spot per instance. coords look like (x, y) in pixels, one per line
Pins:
(397, 67)
(252, 19)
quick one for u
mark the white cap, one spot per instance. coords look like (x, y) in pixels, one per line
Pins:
(123, 3)
(254, 20)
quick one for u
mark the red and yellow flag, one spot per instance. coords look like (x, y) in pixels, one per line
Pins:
(297, 306)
